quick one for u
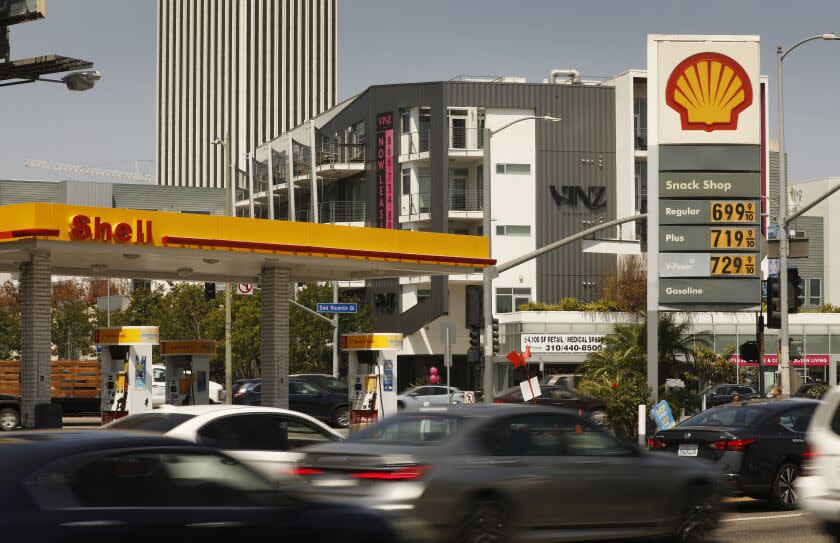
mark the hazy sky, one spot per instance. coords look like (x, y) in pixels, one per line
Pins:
(387, 41)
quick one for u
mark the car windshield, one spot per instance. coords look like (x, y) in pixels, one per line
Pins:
(332, 384)
(738, 416)
(159, 423)
(410, 429)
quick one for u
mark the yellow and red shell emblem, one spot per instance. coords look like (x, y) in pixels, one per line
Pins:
(709, 91)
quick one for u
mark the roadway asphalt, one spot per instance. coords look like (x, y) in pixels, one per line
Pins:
(755, 520)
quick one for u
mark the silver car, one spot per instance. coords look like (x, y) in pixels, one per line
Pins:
(429, 395)
(495, 473)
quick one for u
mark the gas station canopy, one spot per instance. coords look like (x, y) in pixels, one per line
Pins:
(89, 241)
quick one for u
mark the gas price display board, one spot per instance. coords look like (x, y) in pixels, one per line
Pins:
(708, 181)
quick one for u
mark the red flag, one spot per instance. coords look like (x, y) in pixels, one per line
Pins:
(527, 352)
(516, 359)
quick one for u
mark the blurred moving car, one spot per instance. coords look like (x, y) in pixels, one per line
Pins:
(266, 438)
(93, 486)
(819, 486)
(477, 473)
(568, 380)
(429, 394)
(759, 446)
(560, 396)
(813, 389)
(721, 394)
(214, 389)
(306, 395)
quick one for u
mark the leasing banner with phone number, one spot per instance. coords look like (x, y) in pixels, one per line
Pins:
(562, 343)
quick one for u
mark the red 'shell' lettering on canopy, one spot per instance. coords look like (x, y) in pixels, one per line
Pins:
(83, 228)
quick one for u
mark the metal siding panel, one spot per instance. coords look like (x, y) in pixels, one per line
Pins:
(170, 198)
(22, 192)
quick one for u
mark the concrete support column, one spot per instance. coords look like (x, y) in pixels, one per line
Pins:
(275, 284)
(36, 348)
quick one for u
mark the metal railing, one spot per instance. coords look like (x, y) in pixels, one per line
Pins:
(640, 139)
(414, 143)
(340, 153)
(341, 211)
(462, 137)
(466, 200)
(414, 204)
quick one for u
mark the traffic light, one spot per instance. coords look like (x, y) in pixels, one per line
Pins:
(749, 351)
(795, 293)
(795, 349)
(209, 291)
(496, 344)
(774, 306)
(475, 337)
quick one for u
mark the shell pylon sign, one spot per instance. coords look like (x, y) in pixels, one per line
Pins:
(709, 91)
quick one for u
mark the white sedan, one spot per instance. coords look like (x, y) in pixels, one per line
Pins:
(265, 437)
(429, 395)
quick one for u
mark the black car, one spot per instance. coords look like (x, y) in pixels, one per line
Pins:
(721, 394)
(559, 396)
(307, 396)
(758, 445)
(94, 486)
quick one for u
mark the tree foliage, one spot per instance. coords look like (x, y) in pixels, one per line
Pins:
(627, 287)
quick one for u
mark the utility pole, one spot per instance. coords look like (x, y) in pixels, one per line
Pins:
(229, 197)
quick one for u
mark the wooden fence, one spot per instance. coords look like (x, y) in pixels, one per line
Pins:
(70, 378)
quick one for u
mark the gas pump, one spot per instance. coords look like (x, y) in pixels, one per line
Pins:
(372, 376)
(187, 370)
(126, 365)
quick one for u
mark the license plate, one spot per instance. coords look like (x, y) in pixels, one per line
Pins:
(335, 482)
(687, 450)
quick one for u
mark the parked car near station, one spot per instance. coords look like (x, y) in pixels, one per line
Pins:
(266, 438)
(759, 446)
(306, 395)
(559, 396)
(477, 473)
(429, 395)
(97, 487)
(721, 394)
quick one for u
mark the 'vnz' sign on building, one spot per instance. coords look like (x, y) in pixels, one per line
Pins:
(591, 197)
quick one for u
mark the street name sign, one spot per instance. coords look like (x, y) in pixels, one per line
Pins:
(335, 307)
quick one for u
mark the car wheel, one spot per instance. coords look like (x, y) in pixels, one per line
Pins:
(599, 418)
(784, 493)
(341, 417)
(485, 522)
(833, 529)
(698, 516)
(9, 419)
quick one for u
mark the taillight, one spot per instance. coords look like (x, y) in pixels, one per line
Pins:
(655, 444)
(497, 400)
(809, 458)
(408, 473)
(732, 444)
(305, 471)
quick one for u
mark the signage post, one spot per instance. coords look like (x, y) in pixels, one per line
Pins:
(705, 160)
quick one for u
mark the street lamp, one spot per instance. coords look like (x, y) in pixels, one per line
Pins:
(225, 143)
(784, 234)
(487, 277)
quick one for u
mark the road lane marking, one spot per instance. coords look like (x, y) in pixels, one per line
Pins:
(763, 518)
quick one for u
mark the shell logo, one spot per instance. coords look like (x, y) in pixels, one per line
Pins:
(709, 91)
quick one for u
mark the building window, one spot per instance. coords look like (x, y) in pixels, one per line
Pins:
(406, 121)
(514, 169)
(406, 181)
(423, 295)
(513, 230)
(814, 291)
(141, 283)
(509, 299)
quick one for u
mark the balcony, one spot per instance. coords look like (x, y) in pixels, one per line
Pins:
(337, 160)
(466, 203)
(415, 207)
(640, 139)
(466, 141)
(415, 145)
(340, 211)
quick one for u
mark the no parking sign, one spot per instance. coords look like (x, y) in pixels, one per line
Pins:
(245, 289)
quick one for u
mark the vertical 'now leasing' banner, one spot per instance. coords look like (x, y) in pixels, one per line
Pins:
(385, 170)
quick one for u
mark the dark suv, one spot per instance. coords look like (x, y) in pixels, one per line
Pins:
(758, 445)
(319, 396)
(721, 394)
